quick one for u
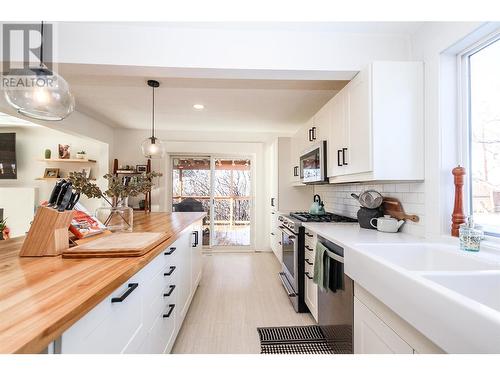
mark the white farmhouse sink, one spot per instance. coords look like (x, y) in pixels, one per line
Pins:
(428, 257)
(483, 287)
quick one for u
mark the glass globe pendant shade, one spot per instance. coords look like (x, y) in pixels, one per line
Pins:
(153, 148)
(40, 94)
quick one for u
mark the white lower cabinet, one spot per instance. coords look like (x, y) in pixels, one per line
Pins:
(379, 330)
(310, 288)
(372, 335)
(144, 314)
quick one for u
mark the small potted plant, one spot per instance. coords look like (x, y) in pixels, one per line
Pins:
(81, 155)
(4, 230)
(117, 216)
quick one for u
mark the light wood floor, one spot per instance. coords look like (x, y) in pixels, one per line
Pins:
(238, 293)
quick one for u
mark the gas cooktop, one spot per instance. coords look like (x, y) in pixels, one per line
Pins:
(327, 218)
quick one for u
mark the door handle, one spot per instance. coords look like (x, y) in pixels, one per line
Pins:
(338, 158)
(170, 290)
(170, 271)
(122, 298)
(308, 262)
(308, 276)
(285, 283)
(169, 312)
(343, 156)
(170, 251)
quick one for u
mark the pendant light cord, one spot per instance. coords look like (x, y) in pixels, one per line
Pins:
(41, 45)
(153, 127)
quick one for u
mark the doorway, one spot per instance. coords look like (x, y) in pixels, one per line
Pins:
(221, 187)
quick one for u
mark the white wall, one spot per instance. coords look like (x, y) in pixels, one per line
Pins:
(437, 44)
(128, 151)
(31, 143)
(18, 206)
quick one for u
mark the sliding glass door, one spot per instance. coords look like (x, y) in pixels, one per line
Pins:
(220, 186)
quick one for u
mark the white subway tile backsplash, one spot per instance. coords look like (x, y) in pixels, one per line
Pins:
(338, 199)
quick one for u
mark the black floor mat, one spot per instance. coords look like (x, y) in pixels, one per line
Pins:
(293, 340)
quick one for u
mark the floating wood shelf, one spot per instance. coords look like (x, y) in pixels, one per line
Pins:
(67, 160)
(55, 178)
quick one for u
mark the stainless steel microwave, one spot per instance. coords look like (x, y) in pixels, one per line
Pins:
(313, 164)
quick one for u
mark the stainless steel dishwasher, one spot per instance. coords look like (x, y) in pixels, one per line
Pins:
(336, 309)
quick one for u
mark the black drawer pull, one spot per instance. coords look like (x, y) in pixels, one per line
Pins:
(343, 156)
(195, 233)
(170, 251)
(170, 290)
(308, 262)
(169, 312)
(309, 277)
(309, 234)
(130, 289)
(170, 271)
(308, 248)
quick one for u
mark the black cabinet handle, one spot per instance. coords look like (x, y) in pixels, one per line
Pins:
(170, 290)
(272, 202)
(308, 248)
(272, 234)
(343, 156)
(313, 132)
(310, 135)
(309, 234)
(170, 251)
(339, 163)
(130, 289)
(169, 312)
(170, 271)
(195, 238)
(296, 171)
(309, 277)
(308, 262)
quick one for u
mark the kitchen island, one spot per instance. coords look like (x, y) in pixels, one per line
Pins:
(42, 297)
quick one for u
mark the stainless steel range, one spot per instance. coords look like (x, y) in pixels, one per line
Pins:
(293, 241)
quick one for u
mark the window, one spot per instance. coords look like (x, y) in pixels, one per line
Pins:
(483, 94)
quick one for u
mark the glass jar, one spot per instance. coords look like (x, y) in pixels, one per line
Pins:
(118, 218)
(470, 237)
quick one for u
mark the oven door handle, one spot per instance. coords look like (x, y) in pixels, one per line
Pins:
(334, 256)
(285, 283)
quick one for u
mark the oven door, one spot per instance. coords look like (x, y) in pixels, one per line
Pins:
(289, 248)
(313, 164)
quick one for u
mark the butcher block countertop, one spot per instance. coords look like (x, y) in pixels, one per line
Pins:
(42, 297)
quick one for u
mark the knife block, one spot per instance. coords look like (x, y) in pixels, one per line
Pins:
(48, 235)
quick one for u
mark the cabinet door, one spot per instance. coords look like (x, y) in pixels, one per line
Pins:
(359, 148)
(322, 123)
(184, 274)
(274, 175)
(295, 151)
(337, 139)
(373, 336)
(196, 256)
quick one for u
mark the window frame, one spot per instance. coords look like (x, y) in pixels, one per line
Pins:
(464, 116)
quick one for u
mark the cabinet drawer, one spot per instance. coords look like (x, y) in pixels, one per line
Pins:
(110, 327)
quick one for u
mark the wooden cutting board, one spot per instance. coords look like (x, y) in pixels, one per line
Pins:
(393, 207)
(118, 245)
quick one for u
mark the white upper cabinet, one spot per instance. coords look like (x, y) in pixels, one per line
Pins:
(376, 130)
(320, 130)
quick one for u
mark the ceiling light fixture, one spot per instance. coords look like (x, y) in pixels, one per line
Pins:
(152, 147)
(198, 107)
(48, 97)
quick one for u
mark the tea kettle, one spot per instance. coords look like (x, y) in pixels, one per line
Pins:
(317, 207)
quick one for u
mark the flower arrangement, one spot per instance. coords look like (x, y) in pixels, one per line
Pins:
(119, 189)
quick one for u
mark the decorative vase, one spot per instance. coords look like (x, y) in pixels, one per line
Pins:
(48, 154)
(118, 217)
(80, 156)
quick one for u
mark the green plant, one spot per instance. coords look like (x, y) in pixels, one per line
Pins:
(3, 224)
(81, 152)
(117, 190)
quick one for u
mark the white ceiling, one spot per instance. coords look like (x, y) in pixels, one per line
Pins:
(230, 104)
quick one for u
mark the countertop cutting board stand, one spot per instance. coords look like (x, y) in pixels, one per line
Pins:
(48, 235)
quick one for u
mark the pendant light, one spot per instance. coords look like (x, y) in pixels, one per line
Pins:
(48, 97)
(152, 147)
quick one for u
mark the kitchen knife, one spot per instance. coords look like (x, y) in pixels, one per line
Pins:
(66, 199)
(55, 193)
(73, 201)
(60, 196)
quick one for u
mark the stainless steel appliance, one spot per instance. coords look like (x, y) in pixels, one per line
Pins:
(293, 249)
(313, 164)
(336, 308)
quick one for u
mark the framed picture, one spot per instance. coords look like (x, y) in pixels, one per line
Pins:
(64, 151)
(141, 168)
(51, 173)
(86, 172)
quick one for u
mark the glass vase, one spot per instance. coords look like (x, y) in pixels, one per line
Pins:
(117, 218)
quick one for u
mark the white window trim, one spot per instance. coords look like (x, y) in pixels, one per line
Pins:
(463, 116)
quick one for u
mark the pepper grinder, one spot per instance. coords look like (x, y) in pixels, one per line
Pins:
(458, 217)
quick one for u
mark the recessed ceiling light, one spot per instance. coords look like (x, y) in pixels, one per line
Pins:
(198, 107)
